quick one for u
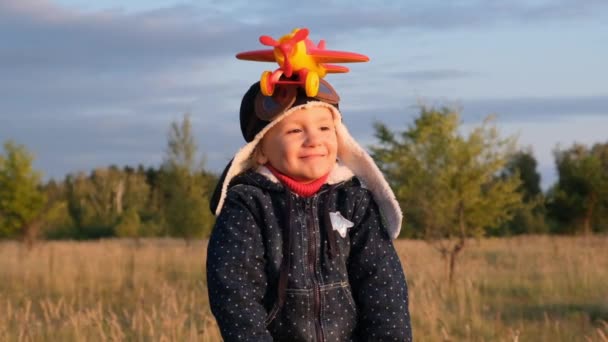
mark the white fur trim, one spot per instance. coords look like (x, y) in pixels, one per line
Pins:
(264, 171)
(339, 173)
(353, 160)
(362, 165)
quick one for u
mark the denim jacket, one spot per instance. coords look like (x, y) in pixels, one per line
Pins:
(281, 268)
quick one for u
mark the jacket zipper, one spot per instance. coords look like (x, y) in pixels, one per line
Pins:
(312, 258)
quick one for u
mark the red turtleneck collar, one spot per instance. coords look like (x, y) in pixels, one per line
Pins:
(302, 189)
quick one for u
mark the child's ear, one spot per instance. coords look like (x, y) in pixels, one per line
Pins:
(262, 159)
(259, 156)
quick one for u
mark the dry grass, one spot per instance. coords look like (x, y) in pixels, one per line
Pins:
(520, 289)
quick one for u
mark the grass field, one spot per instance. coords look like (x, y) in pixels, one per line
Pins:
(518, 289)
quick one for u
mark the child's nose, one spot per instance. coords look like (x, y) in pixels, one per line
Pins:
(313, 139)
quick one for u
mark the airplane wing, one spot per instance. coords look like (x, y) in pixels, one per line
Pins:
(334, 69)
(257, 55)
(330, 56)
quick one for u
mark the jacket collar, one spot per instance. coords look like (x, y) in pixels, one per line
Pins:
(339, 173)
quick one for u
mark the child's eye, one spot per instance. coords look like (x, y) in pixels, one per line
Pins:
(326, 128)
(295, 130)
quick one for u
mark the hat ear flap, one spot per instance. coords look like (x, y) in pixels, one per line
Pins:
(250, 123)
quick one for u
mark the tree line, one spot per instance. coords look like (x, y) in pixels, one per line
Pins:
(451, 185)
(170, 200)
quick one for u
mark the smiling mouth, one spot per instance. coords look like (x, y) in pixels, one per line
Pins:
(312, 156)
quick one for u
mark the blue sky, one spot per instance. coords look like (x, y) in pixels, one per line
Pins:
(88, 84)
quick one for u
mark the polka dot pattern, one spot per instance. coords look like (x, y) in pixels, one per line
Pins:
(360, 294)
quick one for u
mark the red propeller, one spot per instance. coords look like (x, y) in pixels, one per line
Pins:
(286, 47)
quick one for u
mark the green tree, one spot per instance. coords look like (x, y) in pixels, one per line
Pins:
(95, 201)
(579, 200)
(448, 185)
(98, 201)
(184, 185)
(152, 216)
(530, 218)
(22, 202)
(129, 224)
(524, 163)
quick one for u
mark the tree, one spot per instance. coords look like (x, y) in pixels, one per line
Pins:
(22, 202)
(530, 218)
(580, 197)
(448, 185)
(184, 185)
(129, 224)
(97, 201)
(524, 163)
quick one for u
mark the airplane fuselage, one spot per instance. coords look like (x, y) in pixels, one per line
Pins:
(300, 59)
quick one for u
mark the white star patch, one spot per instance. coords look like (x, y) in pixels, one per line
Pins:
(339, 223)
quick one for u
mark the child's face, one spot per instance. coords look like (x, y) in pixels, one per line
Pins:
(303, 145)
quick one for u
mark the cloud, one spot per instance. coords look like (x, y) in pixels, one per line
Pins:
(520, 110)
(39, 35)
(107, 40)
(337, 16)
(537, 108)
(434, 75)
(82, 143)
(515, 112)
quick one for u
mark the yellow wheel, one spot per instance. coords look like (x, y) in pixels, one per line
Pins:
(312, 84)
(266, 85)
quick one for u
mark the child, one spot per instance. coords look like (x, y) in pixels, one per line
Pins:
(301, 249)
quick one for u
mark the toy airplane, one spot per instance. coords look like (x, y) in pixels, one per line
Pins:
(296, 54)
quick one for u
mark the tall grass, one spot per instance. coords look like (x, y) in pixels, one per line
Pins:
(518, 289)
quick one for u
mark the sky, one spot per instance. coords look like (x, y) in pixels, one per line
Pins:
(89, 84)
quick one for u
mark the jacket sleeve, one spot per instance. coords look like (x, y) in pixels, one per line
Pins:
(377, 279)
(235, 274)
